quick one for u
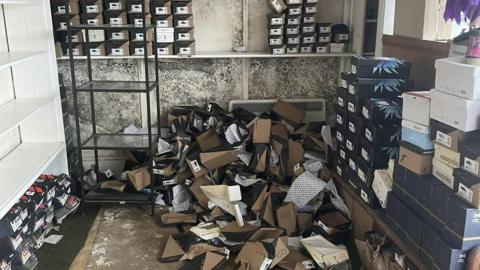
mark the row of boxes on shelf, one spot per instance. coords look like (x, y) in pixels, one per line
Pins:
(368, 116)
(436, 225)
(23, 228)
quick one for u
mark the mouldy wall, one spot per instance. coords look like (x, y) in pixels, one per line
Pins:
(196, 81)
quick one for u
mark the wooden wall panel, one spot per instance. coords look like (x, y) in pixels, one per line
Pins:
(421, 53)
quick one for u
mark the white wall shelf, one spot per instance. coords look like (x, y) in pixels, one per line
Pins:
(213, 55)
(8, 59)
(16, 111)
(22, 167)
(17, 2)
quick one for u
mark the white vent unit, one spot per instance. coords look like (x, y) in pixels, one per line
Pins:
(315, 108)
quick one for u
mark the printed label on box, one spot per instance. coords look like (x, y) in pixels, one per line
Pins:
(117, 51)
(95, 52)
(293, 21)
(136, 8)
(92, 22)
(115, 6)
(62, 10)
(183, 23)
(63, 25)
(309, 29)
(465, 192)
(324, 29)
(365, 113)
(364, 196)
(275, 41)
(340, 102)
(352, 184)
(349, 145)
(324, 39)
(292, 31)
(275, 31)
(185, 50)
(365, 155)
(139, 36)
(182, 10)
(361, 175)
(161, 11)
(339, 136)
(444, 139)
(344, 84)
(339, 119)
(345, 37)
(184, 36)
(138, 22)
(195, 166)
(118, 35)
(309, 19)
(352, 164)
(277, 21)
(169, 182)
(295, 11)
(92, 9)
(442, 177)
(339, 170)
(470, 165)
(309, 264)
(17, 241)
(311, 10)
(399, 259)
(140, 51)
(368, 135)
(163, 23)
(354, 69)
(276, 5)
(163, 51)
(293, 41)
(351, 107)
(351, 89)
(351, 127)
(116, 21)
(309, 40)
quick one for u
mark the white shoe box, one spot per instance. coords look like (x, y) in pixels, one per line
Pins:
(457, 78)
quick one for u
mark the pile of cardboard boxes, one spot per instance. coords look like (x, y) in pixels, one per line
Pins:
(368, 116)
(293, 29)
(24, 228)
(250, 190)
(174, 20)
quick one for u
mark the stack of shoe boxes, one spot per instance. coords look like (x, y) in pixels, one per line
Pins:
(276, 29)
(135, 16)
(23, 228)
(163, 19)
(92, 14)
(184, 40)
(116, 43)
(60, 21)
(368, 115)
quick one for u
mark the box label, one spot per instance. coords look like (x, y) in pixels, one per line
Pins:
(169, 182)
(351, 89)
(324, 29)
(183, 23)
(139, 36)
(163, 51)
(352, 184)
(275, 31)
(323, 39)
(465, 192)
(293, 21)
(91, 9)
(309, 40)
(365, 155)
(351, 127)
(308, 19)
(95, 52)
(309, 264)
(61, 9)
(311, 10)
(364, 196)
(293, 31)
(185, 50)
(136, 8)
(161, 11)
(115, 6)
(277, 21)
(470, 165)
(138, 22)
(116, 21)
(182, 10)
(343, 154)
(118, 35)
(339, 170)
(351, 107)
(163, 23)
(352, 164)
(344, 84)
(293, 40)
(140, 51)
(444, 139)
(349, 145)
(295, 11)
(361, 175)
(354, 69)
(365, 113)
(309, 29)
(368, 135)
(275, 41)
(184, 36)
(195, 166)
(340, 102)
(339, 119)
(442, 177)
(92, 22)
(117, 51)
(339, 136)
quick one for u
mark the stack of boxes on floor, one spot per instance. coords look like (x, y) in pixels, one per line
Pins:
(434, 205)
(24, 227)
(292, 29)
(112, 42)
(368, 116)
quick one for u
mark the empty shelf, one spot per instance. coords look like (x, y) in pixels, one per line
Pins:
(16, 2)
(8, 59)
(116, 86)
(118, 142)
(21, 168)
(16, 111)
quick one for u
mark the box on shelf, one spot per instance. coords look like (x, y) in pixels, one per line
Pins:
(60, 21)
(324, 38)
(376, 157)
(448, 136)
(342, 96)
(276, 19)
(341, 116)
(382, 185)
(368, 196)
(184, 35)
(92, 19)
(416, 134)
(415, 159)
(278, 5)
(62, 49)
(380, 67)
(308, 28)
(375, 88)
(292, 49)
(293, 39)
(115, 17)
(184, 48)
(341, 168)
(447, 156)
(306, 48)
(462, 218)
(416, 107)
(293, 10)
(353, 181)
(455, 111)
(351, 143)
(275, 41)
(354, 104)
(138, 48)
(165, 35)
(322, 48)
(294, 20)
(182, 8)
(138, 35)
(467, 187)
(470, 156)
(324, 28)
(137, 6)
(381, 111)
(59, 7)
(308, 38)
(137, 19)
(110, 5)
(382, 136)
(94, 7)
(443, 173)
(292, 30)
(308, 18)
(365, 173)
(338, 47)
(278, 49)
(276, 30)
(117, 48)
(95, 49)
(116, 35)
(163, 21)
(456, 77)
(309, 8)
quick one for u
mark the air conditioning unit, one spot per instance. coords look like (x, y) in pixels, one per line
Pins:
(315, 108)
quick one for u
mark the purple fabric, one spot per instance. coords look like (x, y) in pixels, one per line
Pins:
(455, 8)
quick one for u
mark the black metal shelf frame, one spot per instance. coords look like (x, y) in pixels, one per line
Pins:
(101, 141)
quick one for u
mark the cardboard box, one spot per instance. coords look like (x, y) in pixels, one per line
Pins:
(262, 131)
(324, 28)
(293, 39)
(165, 48)
(382, 111)
(137, 35)
(355, 125)
(376, 157)
(382, 186)
(137, 6)
(294, 20)
(306, 48)
(308, 28)
(365, 173)
(288, 112)
(138, 48)
(448, 136)
(140, 178)
(381, 67)
(454, 111)
(341, 117)
(276, 30)
(163, 21)
(183, 21)
(338, 47)
(308, 38)
(182, 8)
(447, 156)
(324, 38)
(381, 135)
(294, 10)
(322, 48)
(276, 19)
(368, 197)
(443, 173)
(470, 156)
(91, 19)
(416, 134)
(342, 95)
(278, 5)
(351, 143)
(416, 107)
(457, 78)
(308, 18)
(323, 252)
(93, 7)
(462, 219)
(467, 187)
(184, 35)
(275, 41)
(310, 8)
(59, 7)
(292, 30)
(116, 35)
(110, 5)
(374, 88)
(354, 105)
(214, 160)
(117, 48)
(278, 49)
(414, 160)
(115, 17)
(184, 48)
(341, 167)
(165, 35)
(96, 49)
(286, 217)
(159, 8)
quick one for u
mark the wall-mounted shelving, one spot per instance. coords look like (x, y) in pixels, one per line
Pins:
(8, 59)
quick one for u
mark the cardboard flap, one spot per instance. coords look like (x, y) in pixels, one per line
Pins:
(295, 155)
(287, 217)
(267, 212)
(289, 112)
(177, 218)
(223, 196)
(170, 250)
(262, 131)
(114, 185)
(199, 249)
(258, 205)
(259, 158)
(214, 160)
(266, 233)
(208, 139)
(234, 232)
(206, 261)
(280, 130)
(296, 261)
(254, 255)
(304, 222)
(198, 193)
(196, 167)
(140, 178)
(206, 231)
(281, 250)
(323, 252)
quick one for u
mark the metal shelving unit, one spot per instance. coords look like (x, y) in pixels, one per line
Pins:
(101, 141)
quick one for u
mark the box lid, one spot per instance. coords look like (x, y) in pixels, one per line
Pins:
(458, 65)
(416, 127)
(455, 101)
(418, 96)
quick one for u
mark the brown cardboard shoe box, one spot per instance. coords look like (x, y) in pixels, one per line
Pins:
(414, 160)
